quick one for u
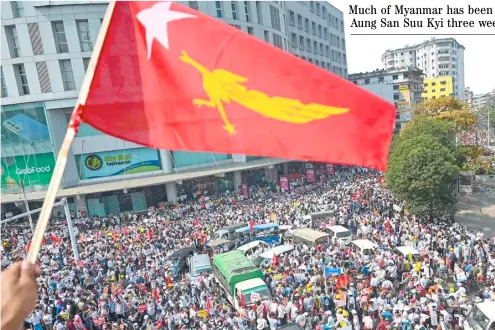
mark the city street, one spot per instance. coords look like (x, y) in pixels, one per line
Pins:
(477, 211)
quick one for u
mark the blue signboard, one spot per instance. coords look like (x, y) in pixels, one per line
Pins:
(118, 162)
(332, 271)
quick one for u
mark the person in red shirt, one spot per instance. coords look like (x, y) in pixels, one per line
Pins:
(383, 324)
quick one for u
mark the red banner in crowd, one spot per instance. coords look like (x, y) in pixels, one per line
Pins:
(142, 308)
(330, 169)
(284, 183)
(244, 190)
(310, 175)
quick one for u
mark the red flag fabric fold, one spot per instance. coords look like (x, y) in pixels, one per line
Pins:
(174, 78)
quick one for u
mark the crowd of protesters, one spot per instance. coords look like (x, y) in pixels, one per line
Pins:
(124, 278)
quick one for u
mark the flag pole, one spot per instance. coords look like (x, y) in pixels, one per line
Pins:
(63, 153)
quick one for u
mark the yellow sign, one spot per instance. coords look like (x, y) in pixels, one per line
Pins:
(277, 277)
(403, 88)
(203, 313)
(223, 86)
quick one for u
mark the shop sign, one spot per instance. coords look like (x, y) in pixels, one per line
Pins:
(119, 162)
(284, 183)
(33, 170)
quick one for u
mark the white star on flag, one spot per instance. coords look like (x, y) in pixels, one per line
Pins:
(155, 20)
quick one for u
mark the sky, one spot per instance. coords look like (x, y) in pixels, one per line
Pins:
(364, 52)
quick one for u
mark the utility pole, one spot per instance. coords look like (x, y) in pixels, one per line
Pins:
(26, 204)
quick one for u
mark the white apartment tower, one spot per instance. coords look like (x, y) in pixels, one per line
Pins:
(435, 57)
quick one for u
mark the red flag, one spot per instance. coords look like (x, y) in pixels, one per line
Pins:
(149, 233)
(190, 82)
(275, 260)
(251, 226)
(28, 246)
(209, 305)
(43, 241)
(55, 239)
(97, 235)
(155, 293)
(243, 301)
(169, 282)
(115, 237)
(342, 281)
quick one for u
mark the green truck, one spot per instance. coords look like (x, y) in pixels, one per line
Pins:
(240, 279)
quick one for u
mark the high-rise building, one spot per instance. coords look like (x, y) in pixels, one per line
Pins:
(435, 57)
(46, 47)
(401, 86)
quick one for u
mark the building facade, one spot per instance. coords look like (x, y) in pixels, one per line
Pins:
(46, 47)
(435, 57)
(401, 86)
(435, 88)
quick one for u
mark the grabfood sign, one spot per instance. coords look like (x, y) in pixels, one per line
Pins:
(33, 170)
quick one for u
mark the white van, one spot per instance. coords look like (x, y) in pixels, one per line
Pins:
(266, 257)
(250, 248)
(199, 264)
(339, 233)
(405, 251)
(481, 317)
(364, 247)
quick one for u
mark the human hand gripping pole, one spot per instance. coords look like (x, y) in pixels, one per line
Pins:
(75, 121)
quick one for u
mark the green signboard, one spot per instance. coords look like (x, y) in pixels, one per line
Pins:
(34, 170)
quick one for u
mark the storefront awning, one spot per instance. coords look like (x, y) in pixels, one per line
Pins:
(147, 181)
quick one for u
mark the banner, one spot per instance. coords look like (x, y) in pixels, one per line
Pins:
(284, 183)
(310, 175)
(33, 170)
(244, 190)
(118, 162)
(26, 125)
(330, 169)
(332, 271)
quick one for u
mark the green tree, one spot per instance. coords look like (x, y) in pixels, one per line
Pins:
(423, 166)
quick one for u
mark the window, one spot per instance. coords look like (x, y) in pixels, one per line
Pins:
(250, 30)
(327, 51)
(21, 78)
(322, 52)
(342, 43)
(319, 30)
(318, 9)
(381, 79)
(308, 45)
(233, 6)
(443, 82)
(17, 8)
(84, 35)
(193, 5)
(395, 77)
(292, 18)
(433, 83)
(299, 22)
(312, 5)
(86, 63)
(247, 10)
(324, 12)
(277, 41)
(433, 97)
(275, 18)
(218, 8)
(293, 39)
(301, 42)
(306, 24)
(4, 85)
(396, 96)
(60, 38)
(366, 81)
(338, 42)
(267, 36)
(313, 28)
(317, 62)
(433, 91)
(442, 89)
(13, 41)
(259, 13)
(67, 75)
(325, 33)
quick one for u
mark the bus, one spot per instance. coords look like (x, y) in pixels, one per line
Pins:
(266, 232)
(240, 279)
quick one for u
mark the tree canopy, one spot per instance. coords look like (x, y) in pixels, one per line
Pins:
(423, 166)
(449, 109)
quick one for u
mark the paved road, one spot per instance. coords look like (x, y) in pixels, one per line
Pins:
(477, 211)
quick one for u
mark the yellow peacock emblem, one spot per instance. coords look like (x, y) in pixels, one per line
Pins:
(223, 86)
